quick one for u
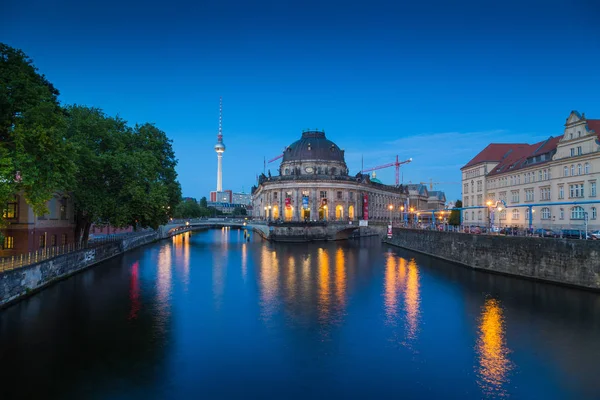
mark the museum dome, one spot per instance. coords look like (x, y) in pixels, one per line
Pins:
(313, 146)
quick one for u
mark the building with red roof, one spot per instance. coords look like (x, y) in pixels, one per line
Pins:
(561, 169)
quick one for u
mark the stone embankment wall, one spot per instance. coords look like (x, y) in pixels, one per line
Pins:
(572, 262)
(23, 281)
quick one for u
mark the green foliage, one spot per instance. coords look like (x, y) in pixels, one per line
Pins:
(32, 127)
(126, 176)
(455, 214)
(190, 209)
(203, 202)
(239, 211)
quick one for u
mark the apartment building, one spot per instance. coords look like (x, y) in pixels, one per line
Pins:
(555, 178)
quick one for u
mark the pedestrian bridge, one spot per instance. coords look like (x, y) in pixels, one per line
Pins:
(280, 231)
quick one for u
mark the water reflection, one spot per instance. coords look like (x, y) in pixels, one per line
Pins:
(402, 279)
(181, 243)
(269, 266)
(324, 289)
(163, 280)
(412, 300)
(391, 287)
(134, 290)
(340, 278)
(494, 364)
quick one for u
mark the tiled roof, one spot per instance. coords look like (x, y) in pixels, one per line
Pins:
(495, 152)
(594, 125)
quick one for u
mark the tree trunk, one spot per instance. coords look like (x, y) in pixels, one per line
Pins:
(86, 232)
(78, 226)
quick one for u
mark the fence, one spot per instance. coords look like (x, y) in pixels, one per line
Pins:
(23, 260)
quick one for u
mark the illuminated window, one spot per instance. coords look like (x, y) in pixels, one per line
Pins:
(12, 208)
(63, 239)
(515, 214)
(53, 241)
(42, 241)
(9, 242)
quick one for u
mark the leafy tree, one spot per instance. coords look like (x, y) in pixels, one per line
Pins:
(35, 158)
(189, 209)
(455, 214)
(125, 176)
(239, 211)
(203, 202)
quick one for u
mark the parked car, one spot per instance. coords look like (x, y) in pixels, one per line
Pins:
(575, 234)
(541, 232)
(595, 235)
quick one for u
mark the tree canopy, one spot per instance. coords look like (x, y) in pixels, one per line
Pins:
(455, 214)
(115, 173)
(35, 157)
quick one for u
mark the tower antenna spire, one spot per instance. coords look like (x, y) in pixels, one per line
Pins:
(220, 118)
(220, 148)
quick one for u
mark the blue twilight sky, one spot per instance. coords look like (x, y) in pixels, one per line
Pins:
(432, 80)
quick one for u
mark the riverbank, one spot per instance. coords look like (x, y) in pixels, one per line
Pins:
(562, 261)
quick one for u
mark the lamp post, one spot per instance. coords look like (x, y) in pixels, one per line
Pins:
(265, 213)
(390, 207)
(490, 214)
(412, 210)
(402, 212)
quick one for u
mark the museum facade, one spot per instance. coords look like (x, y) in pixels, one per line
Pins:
(314, 184)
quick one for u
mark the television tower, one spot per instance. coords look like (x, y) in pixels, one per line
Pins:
(220, 148)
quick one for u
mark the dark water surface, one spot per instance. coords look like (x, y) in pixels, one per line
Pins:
(211, 316)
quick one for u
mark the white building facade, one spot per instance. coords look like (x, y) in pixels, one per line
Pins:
(556, 179)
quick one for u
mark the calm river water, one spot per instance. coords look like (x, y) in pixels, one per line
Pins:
(209, 315)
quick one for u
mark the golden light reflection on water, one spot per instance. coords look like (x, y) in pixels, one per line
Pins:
(412, 300)
(269, 266)
(164, 281)
(391, 287)
(291, 276)
(181, 243)
(244, 260)
(340, 278)
(402, 279)
(494, 364)
(324, 289)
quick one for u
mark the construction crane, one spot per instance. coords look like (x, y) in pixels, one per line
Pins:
(431, 183)
(278, 157)
(396, 164)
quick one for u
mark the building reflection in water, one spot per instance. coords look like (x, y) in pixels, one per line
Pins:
(134, 290)
(244, 260)
(181, 243)
(324, 289)
(412, 300)
(391, 287)
(340, 279)
(269, 266)
(494, 364)
(307, 287)
(164, 286)
(402, 279)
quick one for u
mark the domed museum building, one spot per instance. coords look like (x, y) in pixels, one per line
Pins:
(314, 184)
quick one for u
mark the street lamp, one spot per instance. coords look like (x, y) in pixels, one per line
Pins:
(390, 207)
(412, 210)
(402, 213)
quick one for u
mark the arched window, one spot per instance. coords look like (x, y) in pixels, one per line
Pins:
(586, 168)
(572, 170)
(473, 215)
(578, 169)
(287, 171)
(479, 215)
(577, 212)
(566, 171)
(545, 213)
(515, 214)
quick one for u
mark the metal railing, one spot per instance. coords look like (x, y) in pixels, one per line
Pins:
(32, 257)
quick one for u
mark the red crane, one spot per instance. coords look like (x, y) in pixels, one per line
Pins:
(278, 157)
(396, 164)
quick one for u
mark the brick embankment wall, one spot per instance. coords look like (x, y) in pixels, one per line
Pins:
(21, 282)
(571, 262)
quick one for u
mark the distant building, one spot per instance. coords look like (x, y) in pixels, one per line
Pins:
(228, 208)
(314, 184)
(226, 196)
(242, 198)
(27, 232)
(548, 177)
